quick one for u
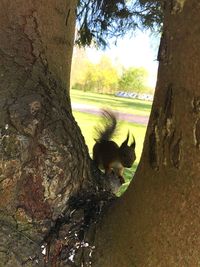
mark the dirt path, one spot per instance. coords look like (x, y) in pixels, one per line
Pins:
(122, 116)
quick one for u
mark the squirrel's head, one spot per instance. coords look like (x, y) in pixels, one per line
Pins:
(127, 153)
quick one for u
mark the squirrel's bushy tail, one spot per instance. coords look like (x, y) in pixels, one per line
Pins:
(106, 130)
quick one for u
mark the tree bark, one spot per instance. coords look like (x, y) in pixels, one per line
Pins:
(156, 222)
(43, 157)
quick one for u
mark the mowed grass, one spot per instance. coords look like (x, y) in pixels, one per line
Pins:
(88, 122)
(126, 105)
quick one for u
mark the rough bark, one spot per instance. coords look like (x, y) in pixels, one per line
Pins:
(156, 222)
(43, 157)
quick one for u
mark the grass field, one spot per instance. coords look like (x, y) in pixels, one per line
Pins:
(127, 105)
(88, 122)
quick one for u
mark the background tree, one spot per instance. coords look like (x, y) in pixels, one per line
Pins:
(99, 77)
(133, 80)
(106, 77)
(80, 64)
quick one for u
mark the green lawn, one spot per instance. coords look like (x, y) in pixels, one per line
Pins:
(127, 105)
(88, 122)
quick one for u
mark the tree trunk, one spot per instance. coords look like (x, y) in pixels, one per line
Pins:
(156, 222)
(44, 159)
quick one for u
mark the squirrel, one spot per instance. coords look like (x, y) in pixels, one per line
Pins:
(107, 154)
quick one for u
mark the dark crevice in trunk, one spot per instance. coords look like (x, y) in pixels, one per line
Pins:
(70, 242)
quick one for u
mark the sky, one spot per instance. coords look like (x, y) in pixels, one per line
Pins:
(138, 51)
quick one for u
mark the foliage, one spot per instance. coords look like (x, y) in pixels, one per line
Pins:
(133, 80)
(80, 64)
(102, 20)
(101, 77)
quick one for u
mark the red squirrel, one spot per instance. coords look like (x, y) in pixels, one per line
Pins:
(107, 154)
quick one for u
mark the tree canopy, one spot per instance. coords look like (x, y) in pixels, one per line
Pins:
(102, 20)
(133, 80)
(106, 77)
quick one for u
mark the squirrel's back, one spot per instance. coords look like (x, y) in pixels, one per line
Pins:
(109, 123)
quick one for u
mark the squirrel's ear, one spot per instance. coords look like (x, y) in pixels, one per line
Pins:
(125, 143)
(127, 138)
(133, 144)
